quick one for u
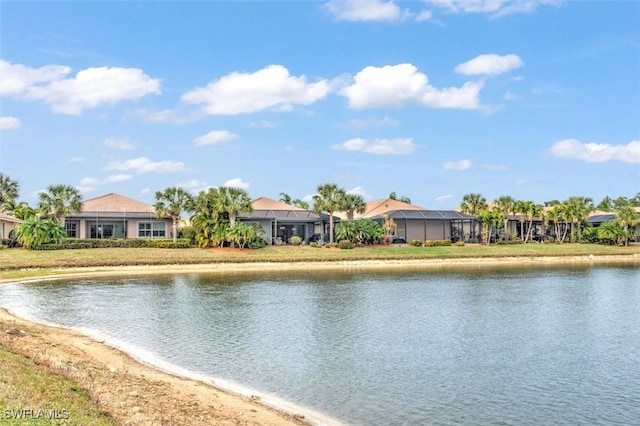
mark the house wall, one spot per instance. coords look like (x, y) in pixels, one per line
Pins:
(5, 228)
(131, 226)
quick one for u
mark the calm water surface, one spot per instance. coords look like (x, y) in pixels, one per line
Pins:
(503, 347)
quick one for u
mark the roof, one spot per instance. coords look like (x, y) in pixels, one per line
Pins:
(115, 206)
(264, 203)
(379, 207)
(266, 208)
(116, 203)
(426, 215)
(7, 218)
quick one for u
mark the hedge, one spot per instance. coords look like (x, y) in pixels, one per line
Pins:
(74, 243)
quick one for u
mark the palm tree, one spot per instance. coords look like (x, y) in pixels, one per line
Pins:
(577, 211)
(533, 210)
(403, 198)
(505, 205)
(59, 201)
(472, 204)
(36, 231)
(354, 203)
(627, 218)
(302, 204)
(233, 201)
(285, 198)
(9, 190)
(329, 198)
(606, 204)
(171, 202)
(20, 211)
(520, 208)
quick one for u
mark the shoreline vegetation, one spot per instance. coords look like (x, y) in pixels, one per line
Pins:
(115, 388)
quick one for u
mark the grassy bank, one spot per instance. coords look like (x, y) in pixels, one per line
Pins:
(32, 393)
(18, 263)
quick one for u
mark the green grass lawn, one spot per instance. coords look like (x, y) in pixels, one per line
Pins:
(17, 263)
(32, 394)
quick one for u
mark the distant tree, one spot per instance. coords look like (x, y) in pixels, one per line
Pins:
(611, 232)
(606, 204)
(22, 211)
(9, 190)
(520, 209)
(389, 226)
(635, 201)
(285, 198)
(172, 202)
(354, 203)
(533, 210)
(402, 198)
(472, 204)
(620, 202)
(505, 206)
(233, 202)
(330, 198)
(552, 203)
(302, 204)
(59, 201)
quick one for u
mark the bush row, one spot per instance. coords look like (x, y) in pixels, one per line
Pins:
(74, 243)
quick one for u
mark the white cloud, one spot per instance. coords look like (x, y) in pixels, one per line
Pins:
(364, 10)
(444, 197)
(76, 159)
(394, 86)
(495, 8)
(174, 116)
(508, 96)
(359, 123)
(262, 124)
(237, 183)
(8, 123)
(90, 88)
(145, 191)
(195, 186)
(215, 137)
(243, 93)
(425, 15)
(490, 64)
(145, 165)
(17, 78)
(359, 190)
(88, 184)
(399, 146)
(595, 152)
(123, 144)
(457, 165)
(495, 167)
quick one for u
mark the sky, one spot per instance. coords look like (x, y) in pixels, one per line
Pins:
(433, 99)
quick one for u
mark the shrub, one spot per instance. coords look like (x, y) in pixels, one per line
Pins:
(257, 244)
(416, 243)
(345, 245)
(437, 243)
(295, 240)
(460, 243)
(331, 245)
(315, 244)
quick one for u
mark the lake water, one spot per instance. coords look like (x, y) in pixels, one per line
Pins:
(484, 347)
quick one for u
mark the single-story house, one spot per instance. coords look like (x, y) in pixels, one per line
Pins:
(7, 223)
(597, 218)
(417, 223)
(116, 216)
(281, 221)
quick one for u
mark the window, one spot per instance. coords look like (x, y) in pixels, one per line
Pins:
(152, 229)
(72, 229)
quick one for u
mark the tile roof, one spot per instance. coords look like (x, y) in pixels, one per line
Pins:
(264, 203)
(378, 207)
(116, 203)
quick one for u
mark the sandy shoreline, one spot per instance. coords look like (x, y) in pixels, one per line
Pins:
(134, 392)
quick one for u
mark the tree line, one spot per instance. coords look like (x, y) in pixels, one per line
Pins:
(213, 215)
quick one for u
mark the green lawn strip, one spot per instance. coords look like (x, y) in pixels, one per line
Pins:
(18, 263)
(35, 394)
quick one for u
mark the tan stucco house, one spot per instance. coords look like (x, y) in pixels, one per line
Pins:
(116, 216)
(7, 223)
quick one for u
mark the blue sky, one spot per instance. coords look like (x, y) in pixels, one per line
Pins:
(537, 99)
